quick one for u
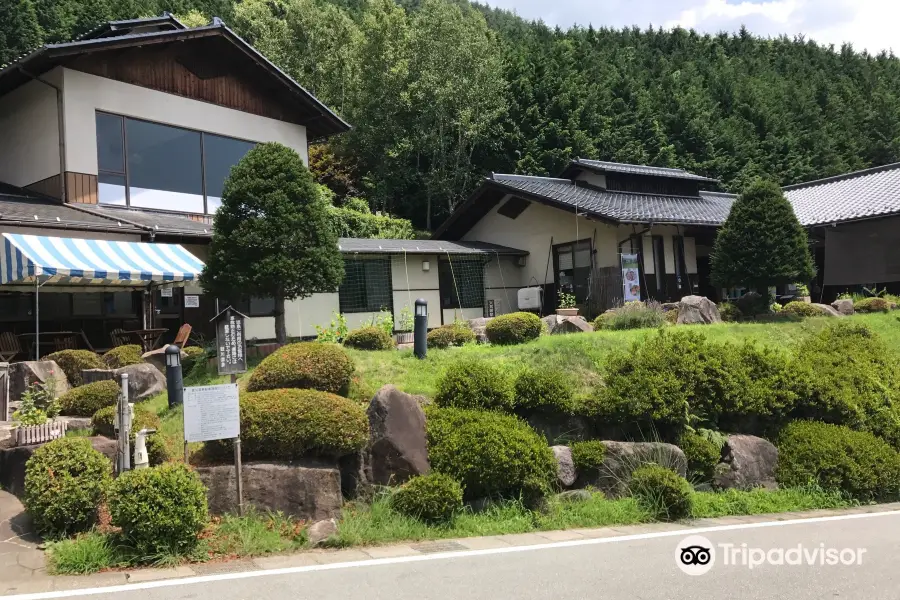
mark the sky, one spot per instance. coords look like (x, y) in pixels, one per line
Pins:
(867, 24)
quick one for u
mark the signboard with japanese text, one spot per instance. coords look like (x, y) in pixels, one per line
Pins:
(192, 301)
(230, 342)
(211, 412)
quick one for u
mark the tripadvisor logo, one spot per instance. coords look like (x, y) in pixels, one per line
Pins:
(696, 555)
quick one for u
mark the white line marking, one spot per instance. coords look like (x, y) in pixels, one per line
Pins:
(148, 585)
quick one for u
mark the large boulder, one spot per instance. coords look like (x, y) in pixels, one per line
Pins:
(397, 444)
(844, 307)
(309, 491)
(144, 379)
(557, 324)
(747, 462)
(623, 458)
(565, 466)
(827, 310)
(356, 474)
(479, 326)
(157, 358)
(26, 373)
(693, 310)
(13, 461)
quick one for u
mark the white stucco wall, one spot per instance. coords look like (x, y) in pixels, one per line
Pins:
(29, 140)
(667, 232)
(85, 94)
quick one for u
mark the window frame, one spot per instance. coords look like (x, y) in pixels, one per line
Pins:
(127, 175)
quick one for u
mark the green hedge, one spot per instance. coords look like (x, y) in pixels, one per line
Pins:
(838, 459)
(543, 391)
(514, 328)
(193, 355)
(84, 401)
(801, 309)
(730, 312)
(122, 356)
(702, 455)
(369, 338)
(66, 481)
(289, 424)
(662, 492)
(432, 498)
(871, 305)
(473, 383)
(306, 365)
(450, 335)
(73, 362)
(489, 453)
(588, 455)
(161, 510)
(853, 379)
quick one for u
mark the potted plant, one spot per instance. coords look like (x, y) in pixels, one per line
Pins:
(567, 306)
(803, 293)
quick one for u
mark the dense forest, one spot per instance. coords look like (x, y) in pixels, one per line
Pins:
(441, 92)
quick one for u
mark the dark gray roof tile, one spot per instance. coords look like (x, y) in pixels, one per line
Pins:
(376, 246)
(20, 207)
(613, 167)
(860, 195)
(159, 222)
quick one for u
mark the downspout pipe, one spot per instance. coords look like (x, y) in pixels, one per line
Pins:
(61, 129)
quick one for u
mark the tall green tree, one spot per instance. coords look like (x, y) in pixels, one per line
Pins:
(19, 29)
(272, 236)
(761, 243)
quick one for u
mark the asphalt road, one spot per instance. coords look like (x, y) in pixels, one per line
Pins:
(612, 570)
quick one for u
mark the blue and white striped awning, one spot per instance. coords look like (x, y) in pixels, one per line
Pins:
(70, 261)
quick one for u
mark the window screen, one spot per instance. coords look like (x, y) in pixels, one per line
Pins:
(366, 286)
(461, 282)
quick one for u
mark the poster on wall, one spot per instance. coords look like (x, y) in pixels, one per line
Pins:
(631, 277)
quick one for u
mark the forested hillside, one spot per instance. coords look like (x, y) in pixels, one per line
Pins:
(441, 92)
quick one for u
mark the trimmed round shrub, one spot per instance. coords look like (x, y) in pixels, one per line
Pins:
(433, 498)
(729, 312)
(514, 328)
(161, 510)
(73, 362)
(369, 338)
(84, 401)
(66, 481)
(122, 356)
(450, 335)
(838, 459)
(289, 424)
(545, 391)
(193, 355)
(853, 379)
(306, 365)
(588, 455)
(489, 453)
(102, 421)
(600, 322)
(702, 455)
(801, 309)
(472, 383)
(662, 492)
(871, 305)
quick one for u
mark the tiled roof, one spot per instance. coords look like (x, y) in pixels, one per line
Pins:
(23, 208)
(373, 246)
(709, 208)
(613, 167)
(159, 222)
(860, 195)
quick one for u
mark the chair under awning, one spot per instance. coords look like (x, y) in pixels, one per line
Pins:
(94, 264)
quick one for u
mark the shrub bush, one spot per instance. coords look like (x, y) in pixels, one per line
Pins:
(663, 492)
(489, 453)
(122, 356)
(102, 421)
(66, 481)
(473, 383)
(801, 309)
(544, 391)
(84, 401)
(838, 459)
(289, 424)
(588, 455)
(853, 379)
(433, 498)
(729, 312)
(702, 455)
(871, 305)
(752, 304)
(514, 328)
(450, 335)
(632, 315)
(73, 362)
(160, 510)
(314, 365)
(193, 355)
(369, 338)
(671, 316)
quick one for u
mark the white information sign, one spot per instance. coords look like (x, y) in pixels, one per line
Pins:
(165, 292)
(192, 301)
(211, 412)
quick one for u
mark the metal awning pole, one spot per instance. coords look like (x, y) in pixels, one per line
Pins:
(37, 318)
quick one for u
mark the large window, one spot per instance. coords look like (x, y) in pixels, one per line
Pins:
(461, 282)
(366, 286)
(149, 165)
(573, 269)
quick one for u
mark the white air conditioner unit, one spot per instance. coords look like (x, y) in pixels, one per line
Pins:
(530, 298)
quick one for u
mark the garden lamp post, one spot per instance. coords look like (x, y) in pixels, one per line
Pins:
(420, 335)
(174, 379)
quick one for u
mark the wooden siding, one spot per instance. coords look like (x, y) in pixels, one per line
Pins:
(46, 187)
(207, 219)
(81, 188)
